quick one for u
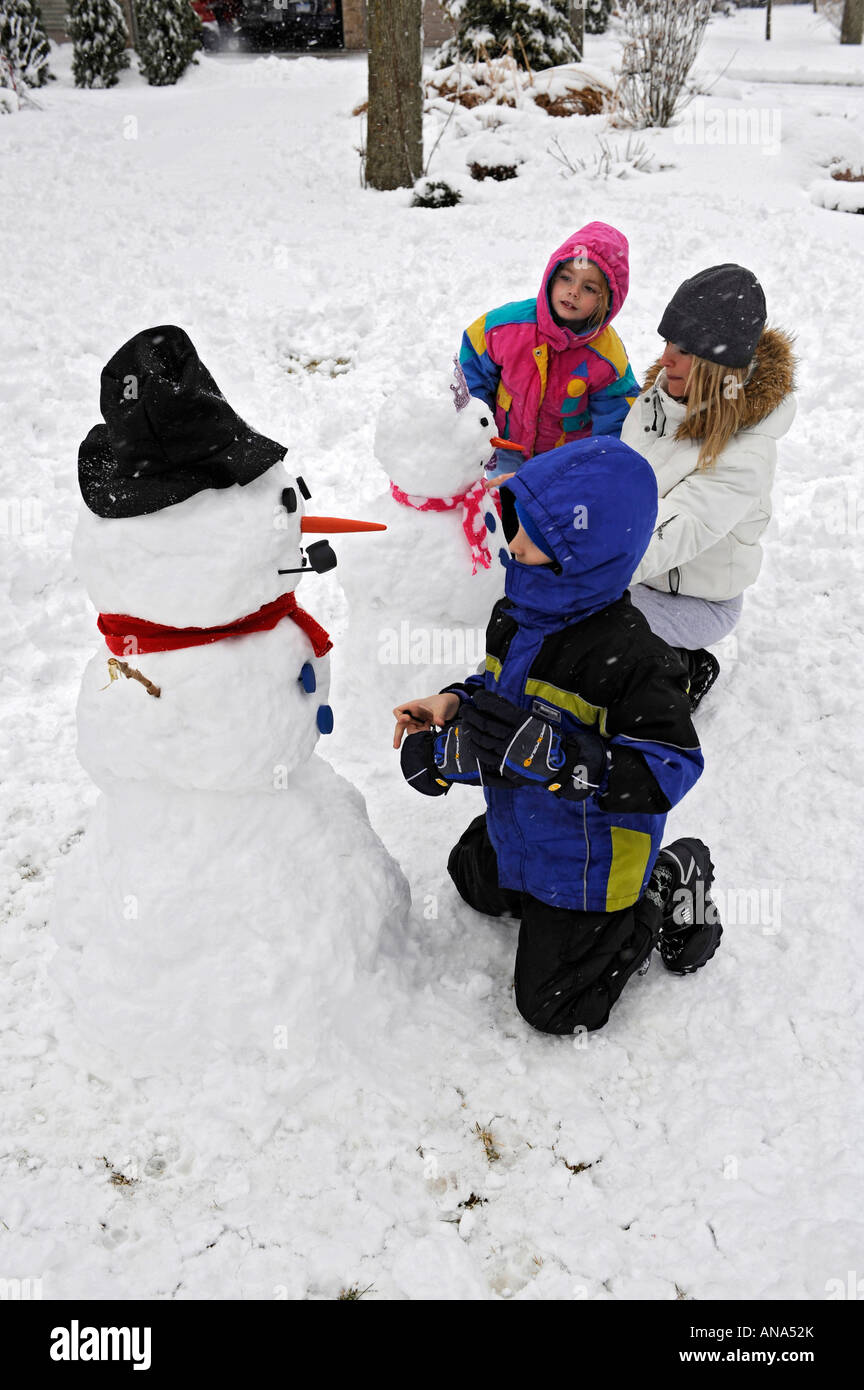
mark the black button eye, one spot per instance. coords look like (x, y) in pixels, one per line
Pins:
(484, 422)
(289, 499)
(304, 491)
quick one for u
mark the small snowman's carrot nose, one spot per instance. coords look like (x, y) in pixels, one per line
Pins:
(321, 524)
(500, 443)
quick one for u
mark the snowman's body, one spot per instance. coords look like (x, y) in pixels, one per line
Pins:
(428, 593)
(230, 888)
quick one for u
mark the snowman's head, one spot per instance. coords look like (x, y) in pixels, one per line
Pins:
(428, 447)
(199, 563)
(192, 518)
(216, 557)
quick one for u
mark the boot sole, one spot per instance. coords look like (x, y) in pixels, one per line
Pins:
(701, 853)
(697, 698)
(713, 942)
(705, 872)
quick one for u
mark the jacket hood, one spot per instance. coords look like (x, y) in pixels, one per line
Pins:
(608, 249)
(595, 502)
(772, 381)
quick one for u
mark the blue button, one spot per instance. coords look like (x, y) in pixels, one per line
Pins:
(504, 556)
(491, 521)
(325, 719)
(307, 677)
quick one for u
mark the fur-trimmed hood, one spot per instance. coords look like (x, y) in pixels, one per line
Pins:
(772, 381)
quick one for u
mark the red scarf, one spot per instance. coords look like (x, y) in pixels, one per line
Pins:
(127, 636)
(473, 523)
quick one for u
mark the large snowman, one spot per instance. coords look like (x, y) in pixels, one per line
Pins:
(426, 590)
(229, 890)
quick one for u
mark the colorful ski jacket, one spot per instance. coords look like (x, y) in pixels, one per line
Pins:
(547, 384)
(571, 648)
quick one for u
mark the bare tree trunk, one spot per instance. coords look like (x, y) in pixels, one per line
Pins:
(852, 28)
(577, 26)
(394, 147)
(132, 21)
(768, 20)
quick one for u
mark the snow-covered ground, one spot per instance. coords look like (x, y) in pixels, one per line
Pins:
(706, 1143)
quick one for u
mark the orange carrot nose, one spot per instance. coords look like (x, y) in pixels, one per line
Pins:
(321, 524)
(500, 443)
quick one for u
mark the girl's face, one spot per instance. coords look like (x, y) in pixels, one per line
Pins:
(576, 290)
(678, 365)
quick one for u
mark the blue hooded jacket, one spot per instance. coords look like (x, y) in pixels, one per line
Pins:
(571, 647)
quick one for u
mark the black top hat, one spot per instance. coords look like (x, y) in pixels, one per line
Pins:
(168, 433)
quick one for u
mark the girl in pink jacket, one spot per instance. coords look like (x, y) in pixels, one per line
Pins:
(552, 368)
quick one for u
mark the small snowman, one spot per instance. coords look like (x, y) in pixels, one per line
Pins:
(229, 889)
(429, 590)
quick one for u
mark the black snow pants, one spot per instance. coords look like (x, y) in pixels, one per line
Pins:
(571, 966)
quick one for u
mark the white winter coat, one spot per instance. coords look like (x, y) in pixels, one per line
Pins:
(706, 541)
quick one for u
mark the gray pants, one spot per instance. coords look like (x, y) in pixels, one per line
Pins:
(685, 621)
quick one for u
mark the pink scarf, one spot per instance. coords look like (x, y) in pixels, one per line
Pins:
(475, 502)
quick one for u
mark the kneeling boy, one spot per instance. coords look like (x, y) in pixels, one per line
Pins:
(580, 733)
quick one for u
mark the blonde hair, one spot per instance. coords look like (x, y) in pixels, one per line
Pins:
(601, 313)
(716, 406)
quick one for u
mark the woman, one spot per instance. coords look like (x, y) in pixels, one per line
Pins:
(708, 421)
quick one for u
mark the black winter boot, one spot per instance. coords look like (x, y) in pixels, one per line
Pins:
(679, 883)
(704, 670)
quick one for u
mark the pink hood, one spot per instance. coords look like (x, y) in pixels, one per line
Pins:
(608, 249)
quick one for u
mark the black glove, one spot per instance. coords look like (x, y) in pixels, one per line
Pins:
(529, 751)
(418, 764)
(431, 761)
(453, 752)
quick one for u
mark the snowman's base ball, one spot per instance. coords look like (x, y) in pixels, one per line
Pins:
(198, 927)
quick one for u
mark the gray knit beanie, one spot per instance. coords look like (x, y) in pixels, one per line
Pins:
(718, 314)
